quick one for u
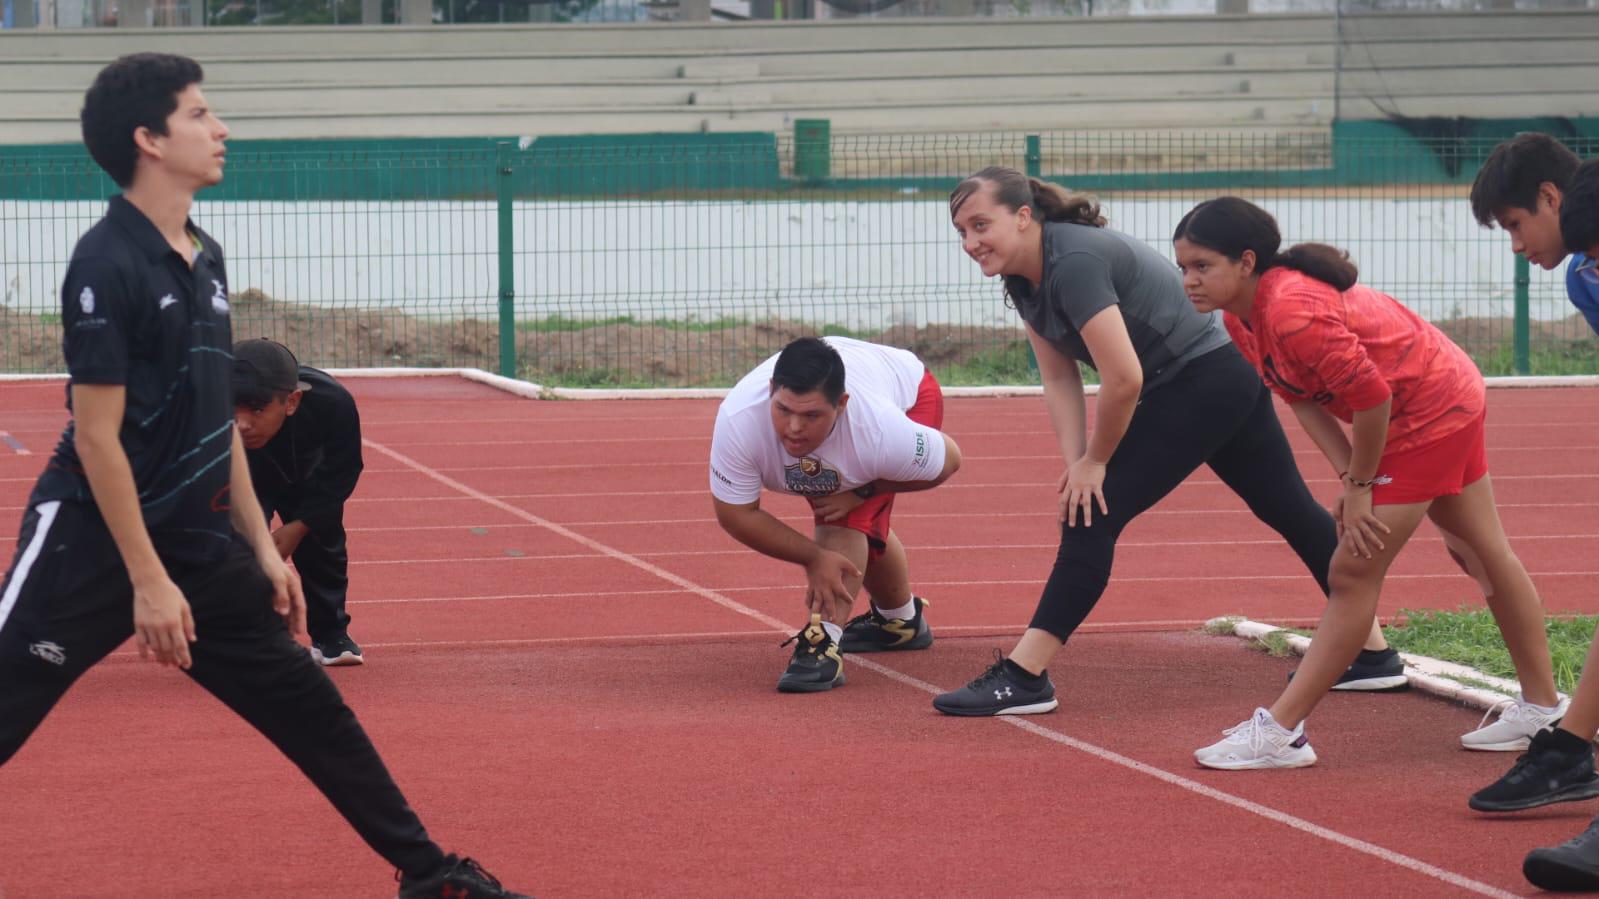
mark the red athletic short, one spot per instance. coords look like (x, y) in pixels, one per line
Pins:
(871, 517)
(1442, 468)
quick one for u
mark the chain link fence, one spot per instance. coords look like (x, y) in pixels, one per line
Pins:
(682, 260)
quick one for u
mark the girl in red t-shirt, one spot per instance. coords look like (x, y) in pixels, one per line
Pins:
(1336, 350)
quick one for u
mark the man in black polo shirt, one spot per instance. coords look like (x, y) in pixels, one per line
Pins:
(145, 524)
(302, 435)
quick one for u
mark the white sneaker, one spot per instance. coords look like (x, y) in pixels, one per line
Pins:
(1518, 721)
(1259, 742)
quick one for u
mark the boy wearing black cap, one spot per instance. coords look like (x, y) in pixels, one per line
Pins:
(302, 435)
(135, 529)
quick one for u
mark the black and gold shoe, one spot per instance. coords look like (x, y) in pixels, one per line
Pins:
(816, 665)
(872, 632)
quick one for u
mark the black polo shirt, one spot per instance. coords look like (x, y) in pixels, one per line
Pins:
(135, 314)
(309, 468)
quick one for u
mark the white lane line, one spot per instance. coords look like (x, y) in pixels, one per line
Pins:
(1271, 814)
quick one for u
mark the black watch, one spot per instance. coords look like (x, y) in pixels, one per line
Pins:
(866, 490)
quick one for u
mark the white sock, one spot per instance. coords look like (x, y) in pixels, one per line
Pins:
(833, 630)
(1546, 709)
(904, 613)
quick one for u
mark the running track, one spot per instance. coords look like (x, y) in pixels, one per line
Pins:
(571, 674)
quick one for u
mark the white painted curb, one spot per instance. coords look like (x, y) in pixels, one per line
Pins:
(1427, 674)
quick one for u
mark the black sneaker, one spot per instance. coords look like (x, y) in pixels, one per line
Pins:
(999, 691)
(1571, 867)
(460, 878)
(1545, 774)
(1379, 671)
(816, 665)
(872, 632)
(337, 653)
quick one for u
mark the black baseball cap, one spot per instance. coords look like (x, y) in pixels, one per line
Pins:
(263, 367)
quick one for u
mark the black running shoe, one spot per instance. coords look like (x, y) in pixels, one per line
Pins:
(816, 665)
(1571, 867)
(872, 632)
(1380, 671)
(460, 878)
(338, 652)
(1545, 774)
(999, 691)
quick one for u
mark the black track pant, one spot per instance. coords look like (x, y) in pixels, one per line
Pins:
(324, 566)
(1217, 413)
(67, 603)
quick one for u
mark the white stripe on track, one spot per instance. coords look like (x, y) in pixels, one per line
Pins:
(1271, 814)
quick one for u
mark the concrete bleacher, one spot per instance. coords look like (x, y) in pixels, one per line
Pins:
(1211, 73)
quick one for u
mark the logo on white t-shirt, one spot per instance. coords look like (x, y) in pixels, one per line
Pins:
(808, 477)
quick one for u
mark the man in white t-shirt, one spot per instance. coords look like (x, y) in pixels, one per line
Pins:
(847, 425)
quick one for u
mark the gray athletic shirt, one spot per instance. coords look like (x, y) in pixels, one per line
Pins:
(1087, 269)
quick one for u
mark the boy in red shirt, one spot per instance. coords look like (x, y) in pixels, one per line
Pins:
(1336, 351)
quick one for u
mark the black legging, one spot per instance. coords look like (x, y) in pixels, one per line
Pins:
(1215, 412)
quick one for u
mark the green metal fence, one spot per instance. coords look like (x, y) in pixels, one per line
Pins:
(659, 260)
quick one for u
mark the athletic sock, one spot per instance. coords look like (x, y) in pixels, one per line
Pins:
(1373, 656)
(1567, 743)
(833, 630)
(904, 613)
(1022, 674)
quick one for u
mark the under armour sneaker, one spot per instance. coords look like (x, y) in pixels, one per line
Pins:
(1518, 721)
(459, 878)
(1571, 867)
(1259, 742)
(872, 632)
(1004, 689)
(1374, 671)
(1557, 767)
(816, 665)
(339, 652)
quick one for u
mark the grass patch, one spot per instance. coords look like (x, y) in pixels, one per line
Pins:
(1576, 357)
(1221, 627)
(1274, 644)
(1470, 637)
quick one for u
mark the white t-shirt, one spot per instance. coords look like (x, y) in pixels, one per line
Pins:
(872, 439)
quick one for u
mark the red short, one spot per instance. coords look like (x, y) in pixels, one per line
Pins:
(871, 517)
(1442, 468)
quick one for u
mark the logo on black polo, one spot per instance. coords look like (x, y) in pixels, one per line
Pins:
(86, 300)
(219, 300)
(808, 477)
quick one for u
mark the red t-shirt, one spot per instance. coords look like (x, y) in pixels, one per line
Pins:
(1349, 351)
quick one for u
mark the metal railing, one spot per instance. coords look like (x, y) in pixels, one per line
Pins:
(658, 260)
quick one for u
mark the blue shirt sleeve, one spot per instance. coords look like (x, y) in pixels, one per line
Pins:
(1584, 294)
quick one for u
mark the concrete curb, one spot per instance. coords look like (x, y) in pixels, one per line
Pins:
(1427, 674)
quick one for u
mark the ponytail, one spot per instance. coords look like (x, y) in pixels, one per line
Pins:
(1320, 261)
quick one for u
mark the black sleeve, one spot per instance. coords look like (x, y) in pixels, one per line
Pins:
(331, 482)
(97, 321)
(1080, 287)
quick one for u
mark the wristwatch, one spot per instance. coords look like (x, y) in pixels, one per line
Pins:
(866, 490)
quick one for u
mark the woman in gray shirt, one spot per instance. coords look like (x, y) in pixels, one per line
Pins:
(1174, 394)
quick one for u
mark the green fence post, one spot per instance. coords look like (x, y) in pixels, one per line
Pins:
(507, 253)
(1035, 168)
(813, 150)
(1523, 314)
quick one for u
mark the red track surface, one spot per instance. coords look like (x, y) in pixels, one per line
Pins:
(571, 674)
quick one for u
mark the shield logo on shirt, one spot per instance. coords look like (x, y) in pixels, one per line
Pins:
(86, 300)
(219, 300)
(808, 477)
